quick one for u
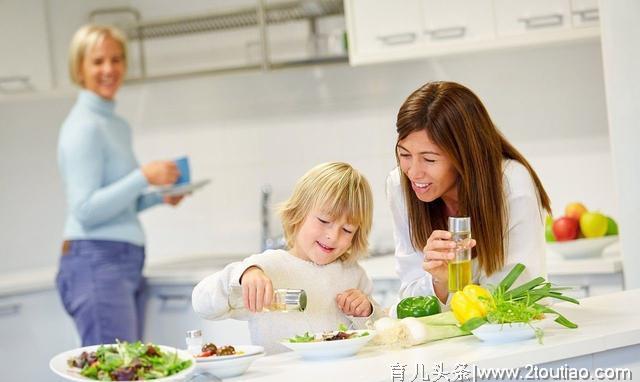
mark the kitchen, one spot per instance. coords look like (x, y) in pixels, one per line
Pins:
(246, 129)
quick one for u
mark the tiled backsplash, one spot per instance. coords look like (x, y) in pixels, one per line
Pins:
(248, 129)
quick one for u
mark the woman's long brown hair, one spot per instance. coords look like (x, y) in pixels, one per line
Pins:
(455, 119)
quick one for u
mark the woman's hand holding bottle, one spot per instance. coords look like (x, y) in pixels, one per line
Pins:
(437, 254)
(159, 173)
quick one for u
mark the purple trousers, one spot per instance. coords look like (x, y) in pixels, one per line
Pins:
(101, 286)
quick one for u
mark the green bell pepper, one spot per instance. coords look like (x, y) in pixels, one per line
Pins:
(419, 306)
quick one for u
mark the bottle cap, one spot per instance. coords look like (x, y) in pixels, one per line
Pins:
(459, 224)
(194, 333)
(295, 299)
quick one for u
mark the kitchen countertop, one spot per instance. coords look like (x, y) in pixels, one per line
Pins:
(191, 269)
(605, 323)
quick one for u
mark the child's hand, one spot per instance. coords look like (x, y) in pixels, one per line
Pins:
(257, 290)
(353, 302)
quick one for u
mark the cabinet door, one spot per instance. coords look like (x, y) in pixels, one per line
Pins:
(383, 25)
(449, 22)
(517, 17)
(33, 328)
(585, 13)
(169, 315)
(25, 51)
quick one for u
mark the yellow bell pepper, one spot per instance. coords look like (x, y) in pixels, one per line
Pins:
(467, 303)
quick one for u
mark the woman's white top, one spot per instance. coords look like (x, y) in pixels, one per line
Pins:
(524, 241)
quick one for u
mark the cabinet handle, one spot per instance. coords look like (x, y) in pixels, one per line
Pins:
(447, 33)
(545, 21)
(10, 309)
(174, 301)
(589, 14)
(398, 39)
(15, 84)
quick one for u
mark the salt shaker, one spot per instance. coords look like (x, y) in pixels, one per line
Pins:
(194, 342)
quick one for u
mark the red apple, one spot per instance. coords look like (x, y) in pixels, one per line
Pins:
(565, 228)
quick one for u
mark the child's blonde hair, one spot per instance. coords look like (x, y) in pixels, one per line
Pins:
(339, 190)
(85, 39)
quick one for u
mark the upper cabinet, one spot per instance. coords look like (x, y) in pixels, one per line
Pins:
(25, 64)
(585, 13)
(402, 29)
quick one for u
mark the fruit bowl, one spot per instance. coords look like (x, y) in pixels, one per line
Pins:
(582, 248)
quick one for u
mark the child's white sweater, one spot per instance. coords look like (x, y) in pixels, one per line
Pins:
(322, 284)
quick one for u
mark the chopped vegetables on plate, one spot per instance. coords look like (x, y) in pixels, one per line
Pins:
(341, 334)
(210, 349)
(128, 362)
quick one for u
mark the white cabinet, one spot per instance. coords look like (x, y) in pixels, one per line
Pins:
(169, 315)
(457, 21)
(25, 64)
(34, 327)
(517, 17)
(384, 26)
(585, 13)
(388, 30)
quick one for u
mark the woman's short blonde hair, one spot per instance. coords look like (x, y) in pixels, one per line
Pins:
(85, 39)
(339, 190)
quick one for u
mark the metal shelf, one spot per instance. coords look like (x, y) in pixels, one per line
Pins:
(259, 16)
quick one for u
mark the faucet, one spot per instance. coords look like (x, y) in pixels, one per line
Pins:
(266, 240)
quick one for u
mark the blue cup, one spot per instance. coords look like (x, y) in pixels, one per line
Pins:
(183, 167)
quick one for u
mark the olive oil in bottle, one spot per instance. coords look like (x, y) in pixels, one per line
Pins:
(284, 300)
(460, 267)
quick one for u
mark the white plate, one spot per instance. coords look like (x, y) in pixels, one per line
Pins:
(58, 364)
(517, 331)
(230, 365)
(582, 248)
(330, 349)
(180, 189)
(247, 350)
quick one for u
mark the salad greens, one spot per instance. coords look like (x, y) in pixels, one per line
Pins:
(342, 334)
(306, 337)
(128, 362)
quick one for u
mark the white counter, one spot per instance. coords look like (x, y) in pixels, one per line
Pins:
(608, 336)
(191, 269)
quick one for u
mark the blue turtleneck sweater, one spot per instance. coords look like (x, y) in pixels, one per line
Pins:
(103, 181)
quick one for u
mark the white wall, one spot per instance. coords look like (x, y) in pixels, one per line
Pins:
(621, 61)
(247, 129)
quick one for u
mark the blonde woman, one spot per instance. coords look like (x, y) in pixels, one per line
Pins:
(327, 222)
(100, 276)
(453, 161)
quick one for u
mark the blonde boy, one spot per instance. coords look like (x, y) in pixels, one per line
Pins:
(326, 221)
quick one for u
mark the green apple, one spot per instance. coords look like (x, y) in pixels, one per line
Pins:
(548, 230)
(612, 227)
(593, 224)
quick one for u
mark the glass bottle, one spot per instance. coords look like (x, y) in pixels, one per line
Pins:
(460, 266)
(194, 342)
(284, 300)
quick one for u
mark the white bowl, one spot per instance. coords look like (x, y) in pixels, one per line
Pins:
(582, 248)
(330, 349)
(516, 331)
(230, 365)
(58, 364)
